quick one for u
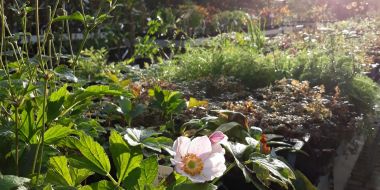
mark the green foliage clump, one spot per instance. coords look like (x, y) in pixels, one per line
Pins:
(92, 64)
(243, 62)
(228, 21)
(331, 60)
(363, 92)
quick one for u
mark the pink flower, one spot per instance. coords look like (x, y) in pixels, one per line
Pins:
(197, 159)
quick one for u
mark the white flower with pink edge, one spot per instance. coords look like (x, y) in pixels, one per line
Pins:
(200, 159)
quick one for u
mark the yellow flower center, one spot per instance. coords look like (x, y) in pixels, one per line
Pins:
(192, 164)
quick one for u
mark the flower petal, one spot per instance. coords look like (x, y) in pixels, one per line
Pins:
(214, 166)
(181, 146)
(217, 148)
(200, 146)
(217, 136)
(195, 178)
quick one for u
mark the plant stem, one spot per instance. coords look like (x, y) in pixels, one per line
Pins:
(41, 144)
(68, 30)
(39, 49)
(17, 138)
(2, 35)
(85, 36)
(113, 180)
(25, 20)
(48, 29)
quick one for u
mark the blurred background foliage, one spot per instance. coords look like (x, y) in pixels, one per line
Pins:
(193, 18)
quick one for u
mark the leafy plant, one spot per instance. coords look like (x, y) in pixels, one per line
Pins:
(131, 170)
(130, 110)
(148, 139)
(168, 102)
(230, 21)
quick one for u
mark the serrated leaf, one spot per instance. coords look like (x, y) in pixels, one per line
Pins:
(60, 93)
(82, 163)
(91, 127)
(81, 97)
(149, 172)
(125, 158)
(78, 175)
(55, 103)
(56, 133)
(101, 185)
(58, 172)
(132, 179)
(94, 157)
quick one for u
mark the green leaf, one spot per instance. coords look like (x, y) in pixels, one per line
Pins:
(91, 127)
(28, 127)
(169, 102)
(64, 73)
(268, 168)
(302, 182)
(125, 105)
(226, 127)
(156, 143)
(135, 136)
(91, 91)
(197, 186)
(58, 172)
(149, 172)
(132, 179)
(125, 159)
(102, 18)
(233, 129)
(145, 138)
(56, 133)
(137, 110)
(77, 16)
(256, 132)
(94, 157)
(13, 182)
(55, 103)
(237, 149)
(59, 94)
(83, 163)
(78, 175)
(101, 185)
